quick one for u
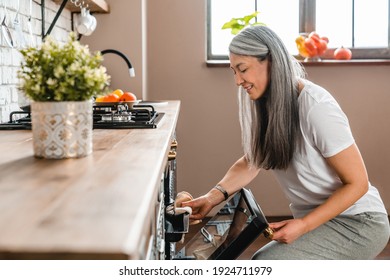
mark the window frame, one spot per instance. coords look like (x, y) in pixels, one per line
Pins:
(307, 19)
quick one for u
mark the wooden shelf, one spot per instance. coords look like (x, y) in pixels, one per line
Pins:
(95, 6)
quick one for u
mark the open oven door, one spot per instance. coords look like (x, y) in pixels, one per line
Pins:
(226, 235)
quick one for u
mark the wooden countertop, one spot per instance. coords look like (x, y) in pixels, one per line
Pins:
(97, 207)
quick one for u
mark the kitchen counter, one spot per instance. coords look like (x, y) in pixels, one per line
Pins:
(98, 207)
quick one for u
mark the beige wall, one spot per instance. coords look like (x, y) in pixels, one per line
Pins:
(208, 130)
(121, 29)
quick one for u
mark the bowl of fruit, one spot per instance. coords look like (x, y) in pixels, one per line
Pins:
(311, 46)
(117, 97)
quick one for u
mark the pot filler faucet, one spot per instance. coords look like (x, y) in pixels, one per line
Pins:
(125, 58)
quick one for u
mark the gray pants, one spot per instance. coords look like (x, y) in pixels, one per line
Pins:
(362, 237)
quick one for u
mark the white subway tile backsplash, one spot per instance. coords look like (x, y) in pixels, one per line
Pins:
(5, 94)
(10, 59)
(7, 76)
(6, 56)
(14, 95)
(16, 57)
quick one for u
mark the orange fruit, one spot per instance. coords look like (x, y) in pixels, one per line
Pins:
(100, 99)
(111, 98)
(128, 96)
(118, 92)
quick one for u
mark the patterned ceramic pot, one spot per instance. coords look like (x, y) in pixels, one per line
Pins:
(62, 129)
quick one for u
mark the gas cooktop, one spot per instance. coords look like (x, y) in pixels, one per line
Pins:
(105, 116)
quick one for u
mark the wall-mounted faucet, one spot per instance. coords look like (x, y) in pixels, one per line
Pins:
(125, 58)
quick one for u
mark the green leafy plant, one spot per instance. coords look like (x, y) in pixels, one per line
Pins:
(236, 24)
(62, 72)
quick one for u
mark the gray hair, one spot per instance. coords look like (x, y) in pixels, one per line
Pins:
(270, 124)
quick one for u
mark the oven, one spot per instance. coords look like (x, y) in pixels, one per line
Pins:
(225, 236)
(176, 224)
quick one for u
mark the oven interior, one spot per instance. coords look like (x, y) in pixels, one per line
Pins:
(226, 235)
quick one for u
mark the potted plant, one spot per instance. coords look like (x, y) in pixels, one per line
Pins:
(61, 80)
(237, 24)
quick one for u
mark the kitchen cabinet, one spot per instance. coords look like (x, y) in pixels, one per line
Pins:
(104, 206)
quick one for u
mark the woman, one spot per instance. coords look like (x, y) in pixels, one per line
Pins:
(296, 129)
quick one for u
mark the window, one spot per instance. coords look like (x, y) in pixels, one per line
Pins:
(361, 25)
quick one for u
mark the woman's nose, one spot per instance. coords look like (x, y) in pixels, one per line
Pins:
(238, 80)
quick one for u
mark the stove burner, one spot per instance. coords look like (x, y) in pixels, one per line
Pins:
(116, 118)
(113, 116)
(120, 116)
(18, 120)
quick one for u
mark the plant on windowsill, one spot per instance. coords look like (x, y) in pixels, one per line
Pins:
(61, 80)
(237, 24)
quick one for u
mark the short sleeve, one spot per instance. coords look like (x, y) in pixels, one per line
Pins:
(329, 128)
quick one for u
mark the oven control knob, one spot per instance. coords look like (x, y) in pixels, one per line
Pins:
(174, 144)
(172, 155)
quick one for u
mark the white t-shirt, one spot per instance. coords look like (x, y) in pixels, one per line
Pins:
(309, 180)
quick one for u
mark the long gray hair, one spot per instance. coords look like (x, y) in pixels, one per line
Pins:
(270, 124)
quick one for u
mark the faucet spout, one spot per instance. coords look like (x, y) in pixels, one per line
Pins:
(124, 57)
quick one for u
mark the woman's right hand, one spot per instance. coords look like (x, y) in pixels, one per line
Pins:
(202, 205)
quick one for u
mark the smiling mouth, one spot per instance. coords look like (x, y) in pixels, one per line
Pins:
(247, 88)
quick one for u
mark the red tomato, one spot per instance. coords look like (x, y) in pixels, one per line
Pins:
(342, 53)
(325, 39)
(314, 36)
(310, 47)
(322, 46)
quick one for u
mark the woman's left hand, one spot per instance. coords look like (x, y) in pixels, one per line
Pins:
(289, 230)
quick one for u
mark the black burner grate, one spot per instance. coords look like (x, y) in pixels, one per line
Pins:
(104, 117)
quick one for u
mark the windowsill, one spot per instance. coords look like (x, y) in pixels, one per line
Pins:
(326, 62)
